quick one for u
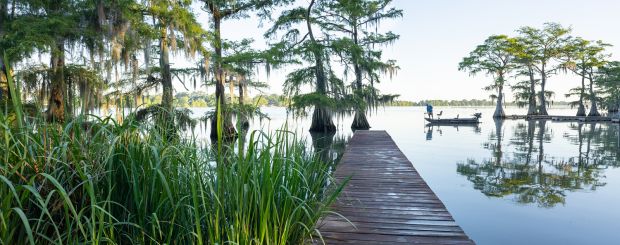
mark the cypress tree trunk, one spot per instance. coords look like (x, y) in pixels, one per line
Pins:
(499, 105)
(228, 130)
(166, 76)
(499, 108)
(322, 116)
(359, 120)
(581, 111)
(593, 108)
(231, 88)
(242, 118)
(322, 120)
(542, 110)
(4, 86)
(85, 96)
(166, 83)
(56, 103)
(531, 110)
(241, 92)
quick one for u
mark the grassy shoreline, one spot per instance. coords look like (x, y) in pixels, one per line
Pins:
(126, 183)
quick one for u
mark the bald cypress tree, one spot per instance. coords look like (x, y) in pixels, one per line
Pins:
(525, 59)
(584, 59)
(308, 45)
(608, 80)
(220, 11)
(547, 45)
(357, 23)
(174, 27)
(49, 26)
(56, 28)
(494, 57)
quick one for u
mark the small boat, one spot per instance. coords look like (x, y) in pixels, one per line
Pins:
(448, 121)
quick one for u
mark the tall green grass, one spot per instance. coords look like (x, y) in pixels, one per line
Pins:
(101, 182)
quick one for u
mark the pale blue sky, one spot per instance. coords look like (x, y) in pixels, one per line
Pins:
(437, 34)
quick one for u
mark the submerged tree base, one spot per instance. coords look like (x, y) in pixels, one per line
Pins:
(243, 123)
(531, 109)
(499, 112)
(228, 130)
(360, 122)
(542, 111)
(581, 111)
(322, 120)
(594, 111)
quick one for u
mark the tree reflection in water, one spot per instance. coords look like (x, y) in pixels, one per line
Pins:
(528, 175)
(328, 147)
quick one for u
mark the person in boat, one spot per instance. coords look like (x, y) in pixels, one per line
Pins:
(429, 110)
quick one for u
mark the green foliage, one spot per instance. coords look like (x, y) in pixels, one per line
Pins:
(155, 114)
(304, 45)
(522, 93)
(585, 55)
(585, 58)
(311, 99)
(15, 96)
(271, 100)
(177, 23)
(242, 62)
(85, 87)
(608, 79)
(202, 99)
(355, 25)
(103, 182)
(538, 54)
(547, 43)
(494, 57)
(472, 102)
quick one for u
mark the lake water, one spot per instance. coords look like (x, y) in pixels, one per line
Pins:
(510, 182)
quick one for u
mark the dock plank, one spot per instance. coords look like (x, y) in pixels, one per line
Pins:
(385, 201)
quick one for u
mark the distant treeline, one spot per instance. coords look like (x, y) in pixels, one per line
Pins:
(472, 102)
(445, 103)
(203, 99)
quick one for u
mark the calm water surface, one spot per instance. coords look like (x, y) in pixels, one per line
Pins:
(510, 182)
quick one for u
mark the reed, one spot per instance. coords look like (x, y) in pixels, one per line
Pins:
(94, 180)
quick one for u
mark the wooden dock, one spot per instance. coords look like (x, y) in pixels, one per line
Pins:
(386, 200)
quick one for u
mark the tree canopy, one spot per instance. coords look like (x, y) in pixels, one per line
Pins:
(494, 57)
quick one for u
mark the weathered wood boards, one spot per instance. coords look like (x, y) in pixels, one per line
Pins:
(386, 200)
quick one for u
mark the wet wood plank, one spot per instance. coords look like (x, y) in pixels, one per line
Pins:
(385, 201)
